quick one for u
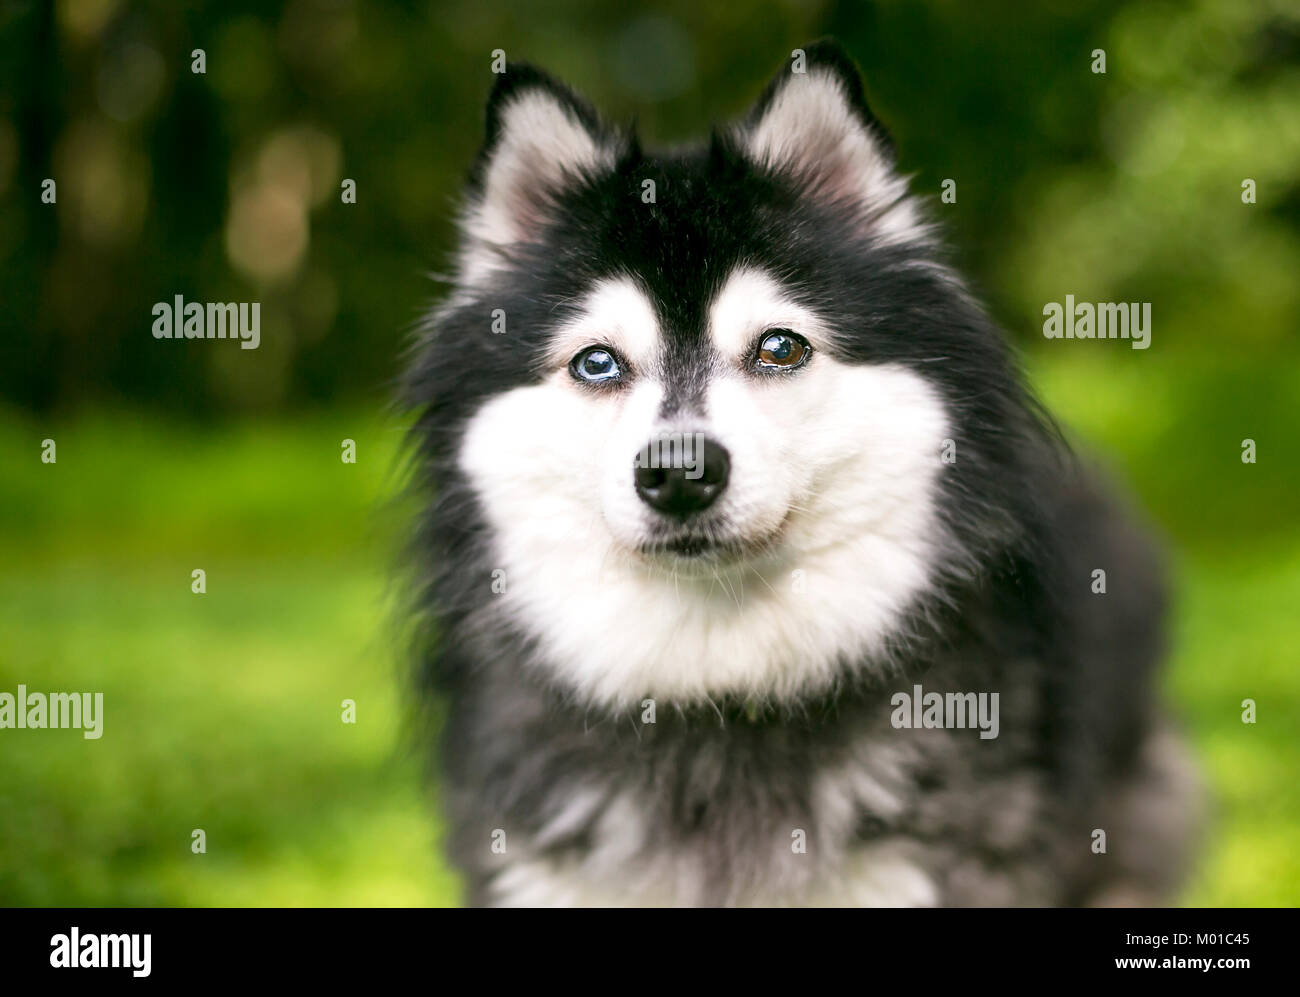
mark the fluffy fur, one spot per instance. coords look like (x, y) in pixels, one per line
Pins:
(645, 711)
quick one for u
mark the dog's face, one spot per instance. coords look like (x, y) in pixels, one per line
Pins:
(703, 430)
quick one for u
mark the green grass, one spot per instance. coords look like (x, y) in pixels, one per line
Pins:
(223, 710)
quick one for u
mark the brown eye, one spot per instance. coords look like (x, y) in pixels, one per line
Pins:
(782, 349)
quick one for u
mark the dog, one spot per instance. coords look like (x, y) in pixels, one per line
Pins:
(732, 491)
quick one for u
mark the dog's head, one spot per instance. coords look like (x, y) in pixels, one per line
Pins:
(705, 401)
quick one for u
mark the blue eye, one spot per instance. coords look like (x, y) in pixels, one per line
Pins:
(595, 366)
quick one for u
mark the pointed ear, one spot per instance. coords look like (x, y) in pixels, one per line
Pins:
(813, 125)
(541, 139)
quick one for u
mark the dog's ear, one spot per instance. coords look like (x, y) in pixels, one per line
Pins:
(541, 139)
(812, 124)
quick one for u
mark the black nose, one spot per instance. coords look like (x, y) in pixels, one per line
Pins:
(679, 475)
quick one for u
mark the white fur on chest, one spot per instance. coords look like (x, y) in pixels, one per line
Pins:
(629, 858)
(877, 876)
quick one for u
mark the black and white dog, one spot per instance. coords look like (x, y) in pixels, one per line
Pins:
(738, 518)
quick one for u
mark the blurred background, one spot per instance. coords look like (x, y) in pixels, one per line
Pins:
(222, 711)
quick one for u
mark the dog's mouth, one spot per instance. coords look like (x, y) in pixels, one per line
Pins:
(707, 547)
(691, 546)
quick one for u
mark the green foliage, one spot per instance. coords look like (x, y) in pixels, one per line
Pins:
(226, 186)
